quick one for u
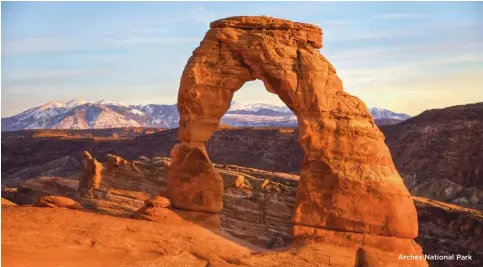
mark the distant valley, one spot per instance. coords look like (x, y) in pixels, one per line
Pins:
(79, 114)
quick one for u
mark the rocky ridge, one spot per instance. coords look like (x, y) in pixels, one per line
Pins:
(440, 154)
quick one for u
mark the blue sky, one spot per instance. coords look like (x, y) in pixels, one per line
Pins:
(405, 56)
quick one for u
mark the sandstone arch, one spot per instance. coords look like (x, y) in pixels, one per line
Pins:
(348, 180)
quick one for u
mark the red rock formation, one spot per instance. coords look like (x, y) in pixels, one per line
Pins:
(91, 175)
(29, 191)
(193, 182)
(125, 185)
(348, 180)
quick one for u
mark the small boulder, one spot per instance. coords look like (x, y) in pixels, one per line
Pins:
(277, 242)
(144, 159)
(58, 202)
(265, 184)
(158, 201)
(9, 192)
(241, 182)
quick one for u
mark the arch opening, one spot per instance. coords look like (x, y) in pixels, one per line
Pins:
(254, 106)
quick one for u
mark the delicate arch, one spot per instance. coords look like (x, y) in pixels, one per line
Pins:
(347, 174)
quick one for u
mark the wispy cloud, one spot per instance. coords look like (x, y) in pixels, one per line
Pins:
(34, 45)
(420, 29)
(138, 29)
(156, 40)
(355, 32)
(409, 73)
(48, 77)
(387, 54)
(400, 16)
(150, 30)
(331, 22)
(203, 15)
(49, 74)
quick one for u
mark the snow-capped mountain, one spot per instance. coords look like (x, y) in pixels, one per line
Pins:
(110, 102)
(160, 115)
(379, 113)
(79, 114)
(239, 108)
(74, 103)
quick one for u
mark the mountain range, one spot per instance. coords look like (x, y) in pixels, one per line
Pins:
(79, 114)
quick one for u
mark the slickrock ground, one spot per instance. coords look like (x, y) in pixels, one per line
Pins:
(258, 206)
(62, 237)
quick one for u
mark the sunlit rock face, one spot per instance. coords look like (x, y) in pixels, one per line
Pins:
(348, 181)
